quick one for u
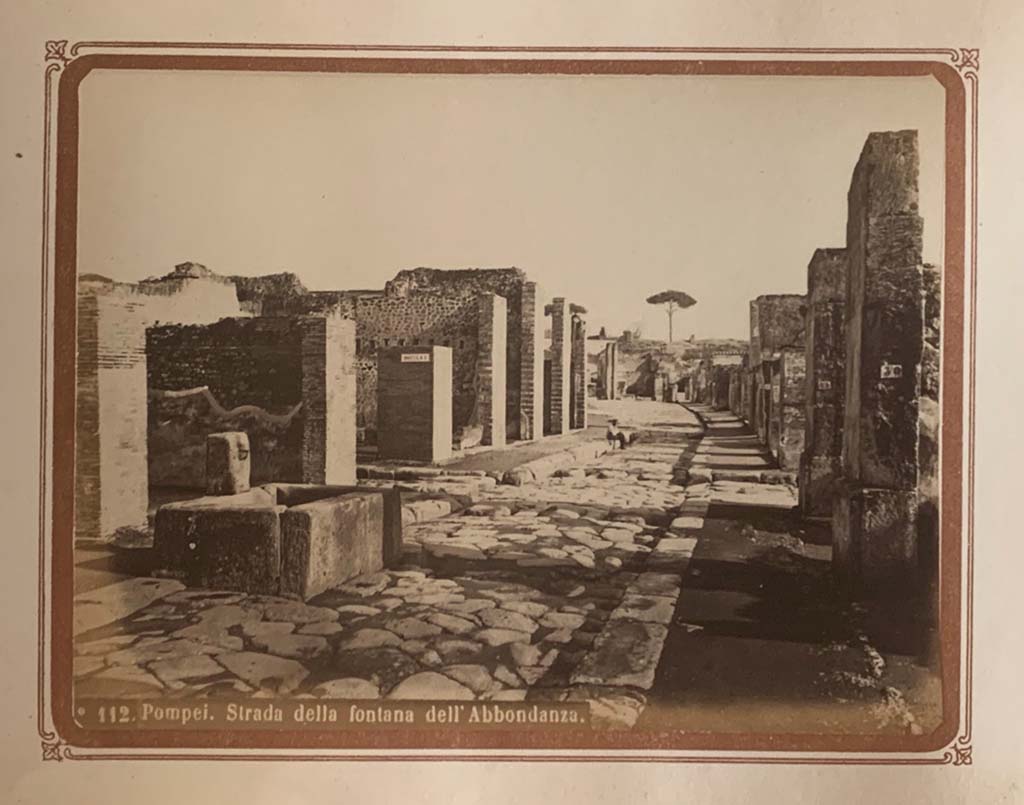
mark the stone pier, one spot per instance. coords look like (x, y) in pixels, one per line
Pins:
(525, 418)
(414, 403)
(490, 367)
(559, 396)
(825, 350)
(786, 429)
(578, 390)
(891, 300)
(607, 367)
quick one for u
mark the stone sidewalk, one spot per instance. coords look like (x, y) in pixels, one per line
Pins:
(761, 637)
(554, 589)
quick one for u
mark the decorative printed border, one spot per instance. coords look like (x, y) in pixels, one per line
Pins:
(961, 195)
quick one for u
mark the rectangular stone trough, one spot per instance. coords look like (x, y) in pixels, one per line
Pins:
(280, 539)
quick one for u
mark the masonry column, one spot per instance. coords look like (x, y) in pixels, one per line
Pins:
(825, 350)
(414, 403)
(529, 415)
(328, 400)
(111, 473)
(791, 411)
(578, 415)
(561, 365)
(490, 367)
(875, 516)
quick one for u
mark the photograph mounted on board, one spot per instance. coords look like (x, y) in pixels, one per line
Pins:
(520, 403)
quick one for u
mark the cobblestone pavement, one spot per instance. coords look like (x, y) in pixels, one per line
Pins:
(559, 589)
(666, 584)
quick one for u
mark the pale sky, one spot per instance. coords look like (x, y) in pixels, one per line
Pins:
(605, 189)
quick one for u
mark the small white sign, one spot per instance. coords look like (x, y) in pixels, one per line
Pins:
(891, 371)
(416, 357)
(824, 385)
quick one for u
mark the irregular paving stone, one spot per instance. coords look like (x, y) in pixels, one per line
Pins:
(565, 514)
(458, 551)
(617, 535)
(149, 649)
(430, 685)
(214, 623)
(457, 649)
(358, 609)
(507, 677)
(499, 637)
(115, 601)
(347, 688)
(613, 561)
(431, 659)
(531, 674)
(297, 646)
(525, 654)
(411, 628)
(683, 545)
(532, 609)
(185, 668)
(505, 619)
(625, 653)
(584, 560)
(475, 677)
(558, 636)
(322, 628)
(265, 670)
(297, 612)
(652, 609)
(261, 628)
(383, 666)
(370, 638)
(452, 623)
(562, 620)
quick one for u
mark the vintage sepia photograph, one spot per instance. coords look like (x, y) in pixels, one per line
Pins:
(508, 401)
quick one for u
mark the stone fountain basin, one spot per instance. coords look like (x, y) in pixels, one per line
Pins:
(280, 539)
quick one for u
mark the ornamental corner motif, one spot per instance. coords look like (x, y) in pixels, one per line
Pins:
(967, 59)
(57, 51)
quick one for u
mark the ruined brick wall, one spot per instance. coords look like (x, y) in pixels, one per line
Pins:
(491, 374)
(288, 382)
(558, 391)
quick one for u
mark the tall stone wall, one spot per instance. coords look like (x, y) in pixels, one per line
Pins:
(789, 407)
(110, 426)
(876, 516)
(825, 350)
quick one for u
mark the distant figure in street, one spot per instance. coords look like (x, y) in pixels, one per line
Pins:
(615, 435)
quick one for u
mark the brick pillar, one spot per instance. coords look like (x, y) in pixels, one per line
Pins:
(561, 365)
(490, 367)
(111, 472)
(578, 414)
(526, 415)
(414, 403)
(875, 515)
(328, 400)
(825, 350)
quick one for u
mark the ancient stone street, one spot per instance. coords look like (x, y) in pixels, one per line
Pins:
(658, 573)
